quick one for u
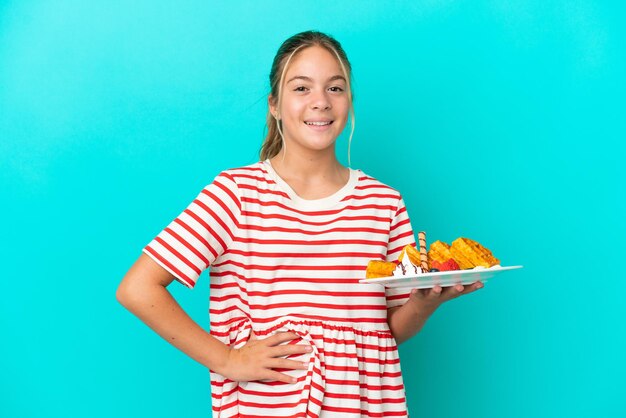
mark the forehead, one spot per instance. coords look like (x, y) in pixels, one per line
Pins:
(314, 62)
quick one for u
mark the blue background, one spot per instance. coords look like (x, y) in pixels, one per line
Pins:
(500, 121)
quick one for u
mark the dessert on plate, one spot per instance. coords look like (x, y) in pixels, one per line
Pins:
(463, 254)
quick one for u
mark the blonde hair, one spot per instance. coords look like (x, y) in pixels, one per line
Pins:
(274, 139)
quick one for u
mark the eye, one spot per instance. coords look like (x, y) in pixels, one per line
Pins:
(336, 89)
(300, 88)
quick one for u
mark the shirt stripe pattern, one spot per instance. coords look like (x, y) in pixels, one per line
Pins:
(277, 265)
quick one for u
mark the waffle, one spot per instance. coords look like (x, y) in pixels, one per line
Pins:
(469, 254)
(411, 251)
(440, 252)
(378, 268)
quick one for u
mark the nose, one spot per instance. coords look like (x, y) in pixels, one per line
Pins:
(320, 101)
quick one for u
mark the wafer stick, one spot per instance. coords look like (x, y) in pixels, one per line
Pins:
(421, 237)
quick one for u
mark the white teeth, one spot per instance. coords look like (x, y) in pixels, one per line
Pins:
(318, 123)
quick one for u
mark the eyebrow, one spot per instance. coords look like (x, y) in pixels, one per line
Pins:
(305, 78)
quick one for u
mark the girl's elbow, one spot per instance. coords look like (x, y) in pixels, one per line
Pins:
(127, 294)
(122, 295)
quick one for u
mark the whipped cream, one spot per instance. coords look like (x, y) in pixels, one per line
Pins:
(406, 268)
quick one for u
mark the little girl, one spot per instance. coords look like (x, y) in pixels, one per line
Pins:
(292, 331)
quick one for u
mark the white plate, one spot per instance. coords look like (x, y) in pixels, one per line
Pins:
(441, 278)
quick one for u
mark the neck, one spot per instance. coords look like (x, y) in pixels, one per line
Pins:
(308, 168)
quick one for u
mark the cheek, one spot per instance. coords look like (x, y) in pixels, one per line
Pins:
(345, 111)
(343, 105)
(294, 111)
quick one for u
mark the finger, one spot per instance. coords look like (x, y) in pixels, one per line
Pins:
(281, 377)
(430, 293)
(281, 363)
(473, 287)
(470, 288)
(290, 349)
(452, 292)
(458, 290)
(433, 293)
(280, 337)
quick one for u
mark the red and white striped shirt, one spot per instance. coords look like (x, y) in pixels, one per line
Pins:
(282, 263)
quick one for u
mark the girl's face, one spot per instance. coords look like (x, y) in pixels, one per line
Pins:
(315, 103)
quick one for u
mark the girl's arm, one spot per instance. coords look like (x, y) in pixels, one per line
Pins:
(143, 292)
(407, 320)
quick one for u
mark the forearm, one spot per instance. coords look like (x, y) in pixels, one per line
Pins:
(405, 321)
(156, 307)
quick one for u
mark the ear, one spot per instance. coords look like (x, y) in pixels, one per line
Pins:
(271, 102)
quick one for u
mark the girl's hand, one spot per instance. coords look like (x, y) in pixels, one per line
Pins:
(407, 320)
(428, 300)
(257, 359)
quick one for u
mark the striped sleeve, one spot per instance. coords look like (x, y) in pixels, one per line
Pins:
(202, 232)
(400, 234)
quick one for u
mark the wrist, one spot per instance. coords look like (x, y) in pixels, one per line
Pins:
(221, 366)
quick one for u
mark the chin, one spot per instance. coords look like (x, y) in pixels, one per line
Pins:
(314, 144)
(321, 145)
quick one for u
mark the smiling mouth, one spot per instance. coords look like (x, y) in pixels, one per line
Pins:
(319, 123)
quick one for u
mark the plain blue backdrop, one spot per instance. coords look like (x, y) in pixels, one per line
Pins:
(503, 121)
